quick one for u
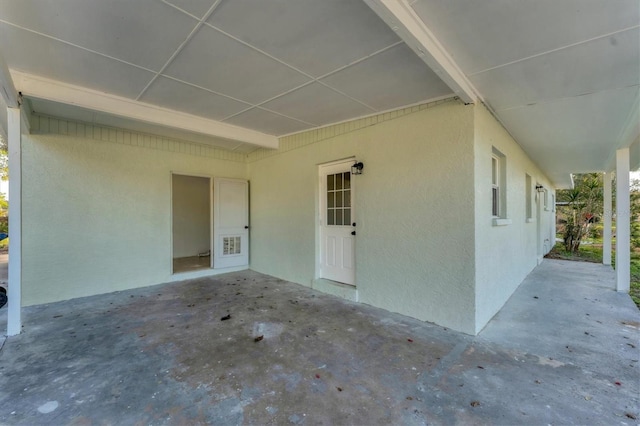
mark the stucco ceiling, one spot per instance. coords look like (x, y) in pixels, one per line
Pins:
(563, 77)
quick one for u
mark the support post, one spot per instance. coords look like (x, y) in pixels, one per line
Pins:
(14, 304)
(623, 226)
(608, 215)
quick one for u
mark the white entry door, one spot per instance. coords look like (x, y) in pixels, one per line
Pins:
(230, 223)
(337, 223)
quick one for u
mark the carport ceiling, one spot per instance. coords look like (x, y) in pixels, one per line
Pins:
(562, 76)
(276, 67)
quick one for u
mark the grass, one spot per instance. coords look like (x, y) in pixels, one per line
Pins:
(593, 253)
(634, 290)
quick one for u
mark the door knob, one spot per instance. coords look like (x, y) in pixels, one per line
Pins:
(353, 232)
(246, 227)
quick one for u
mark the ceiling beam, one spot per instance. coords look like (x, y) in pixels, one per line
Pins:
(400, 17)
(57, 91)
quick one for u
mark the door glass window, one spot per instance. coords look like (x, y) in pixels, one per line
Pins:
(339, 199)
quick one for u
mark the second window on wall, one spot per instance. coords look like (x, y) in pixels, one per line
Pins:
(498, 184)
(528, 194)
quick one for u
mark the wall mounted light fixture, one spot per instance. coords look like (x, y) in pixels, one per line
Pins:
(539, 188)
(357, 167)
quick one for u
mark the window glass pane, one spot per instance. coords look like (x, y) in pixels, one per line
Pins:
(330, 197)
(338, 198)
(347, 198)
(347, 180)
(347, 216)
(339, 217)
(494, 170)
(330, 219)
(330, 185)
(494, 202)
(339, 181)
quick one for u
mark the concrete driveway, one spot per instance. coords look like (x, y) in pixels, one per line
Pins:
(564, 350)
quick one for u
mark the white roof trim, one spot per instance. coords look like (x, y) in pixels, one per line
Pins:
(7, 89)
(400, 17)
(57, 91)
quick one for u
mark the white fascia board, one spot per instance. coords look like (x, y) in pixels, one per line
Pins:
(56, 91)
(7, 88)
(400, 17)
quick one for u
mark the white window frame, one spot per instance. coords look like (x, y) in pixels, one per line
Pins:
(499, 188)
(528, 181)
(546, 200)
(495, 186)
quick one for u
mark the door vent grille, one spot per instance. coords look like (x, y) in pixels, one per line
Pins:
(231, 245)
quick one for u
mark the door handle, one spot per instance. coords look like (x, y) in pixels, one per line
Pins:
(246, 227)
(353, 232)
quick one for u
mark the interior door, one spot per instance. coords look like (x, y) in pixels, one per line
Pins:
(230, 223)
(337, 223)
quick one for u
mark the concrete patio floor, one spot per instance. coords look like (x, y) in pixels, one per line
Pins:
(564, 350)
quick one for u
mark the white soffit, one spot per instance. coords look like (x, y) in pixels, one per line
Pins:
(562, 76)
(56, 91)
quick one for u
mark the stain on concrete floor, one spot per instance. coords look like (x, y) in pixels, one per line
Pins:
(162, 355)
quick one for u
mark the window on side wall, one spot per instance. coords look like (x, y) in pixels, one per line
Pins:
(499, 188)
(495, 186)
(546, 199)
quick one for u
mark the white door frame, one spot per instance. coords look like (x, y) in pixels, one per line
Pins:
(321, 207)
(539, 203)
(171, 174)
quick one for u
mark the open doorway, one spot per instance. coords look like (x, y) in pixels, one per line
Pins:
(191, 215)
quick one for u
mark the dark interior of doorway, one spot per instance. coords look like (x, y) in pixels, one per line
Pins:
(191, 227)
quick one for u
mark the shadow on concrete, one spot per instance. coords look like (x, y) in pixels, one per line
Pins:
(564, 350)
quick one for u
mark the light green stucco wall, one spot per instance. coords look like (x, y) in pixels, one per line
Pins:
(414, 211)
(504, 255)
(97, 207)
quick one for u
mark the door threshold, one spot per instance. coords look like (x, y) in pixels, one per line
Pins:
(188, 275)
(335, 288)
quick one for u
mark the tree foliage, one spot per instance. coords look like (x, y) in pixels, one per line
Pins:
(4, 163)
(581, 206)
(635, 213)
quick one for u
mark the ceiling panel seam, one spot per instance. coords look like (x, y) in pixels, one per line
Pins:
(280, 61)
(555, 100)
(357, 61)
(364, 104)
(179, 49)
(180, 9)
(104, 55)
(568, 46)
(314, 79)
(207, 90)
(279, 95)
(317, 80)
(271, 111)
